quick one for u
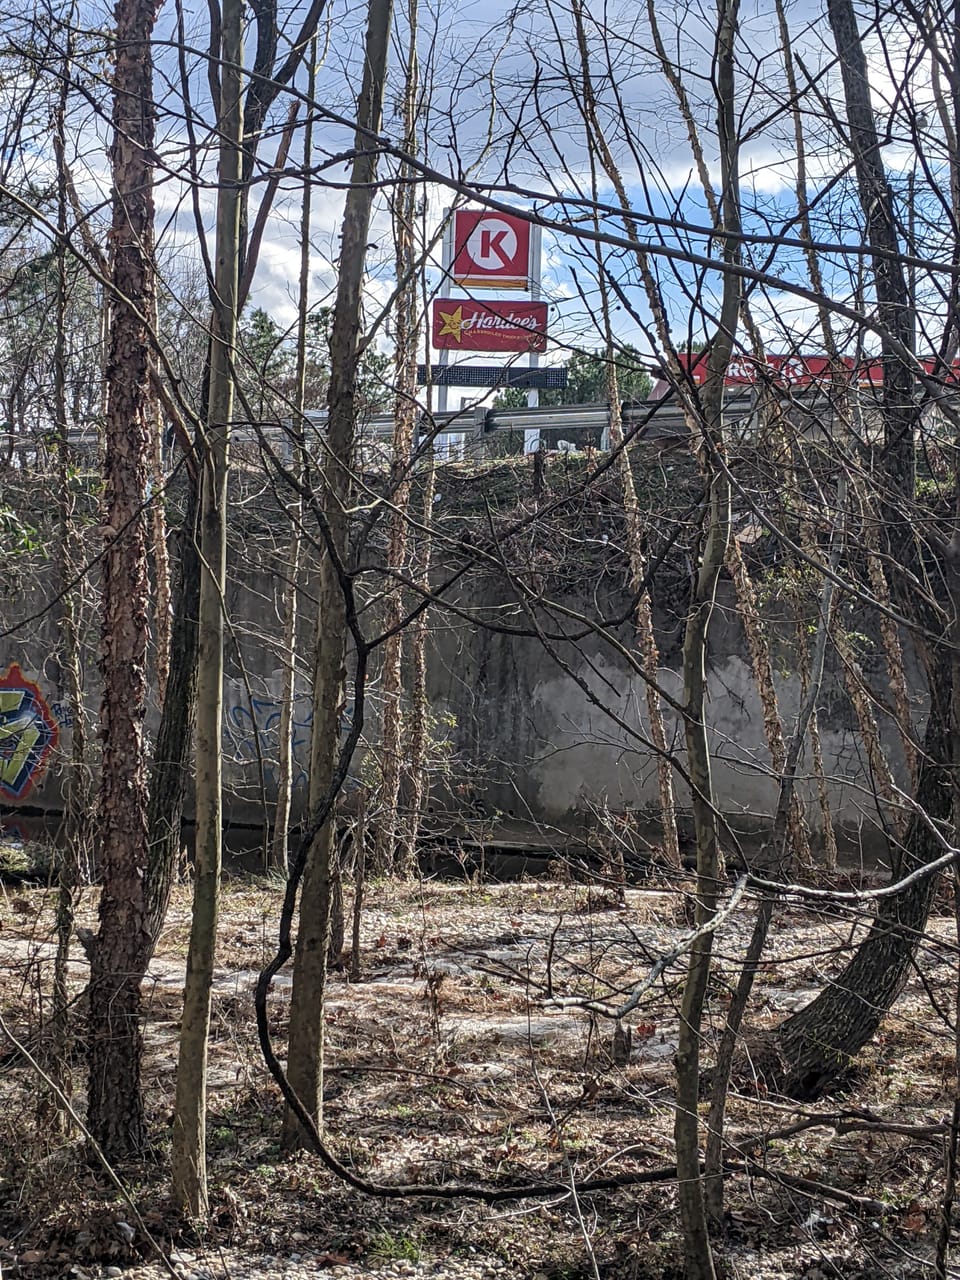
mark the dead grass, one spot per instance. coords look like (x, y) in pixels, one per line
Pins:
(449, 1061)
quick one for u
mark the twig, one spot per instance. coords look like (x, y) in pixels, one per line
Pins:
(557, 1128)
(661, 964)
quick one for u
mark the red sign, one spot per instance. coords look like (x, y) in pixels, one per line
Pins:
(462, 325)
(794, 370)
(490, 250)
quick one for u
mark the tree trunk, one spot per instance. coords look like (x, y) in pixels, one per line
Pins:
(175, 732)
(643, 622)
(73, 857)
(894, 305)
(776, 863)
(305, 1046)
(406, 331)
(417, 789)
(881, 775)
(158, 535)
(759, 649)
(818, 1043)
(288, 695)
(816, 754)
(815, 1045)
(189, 1123)
(115, 1102)
(697, 1251)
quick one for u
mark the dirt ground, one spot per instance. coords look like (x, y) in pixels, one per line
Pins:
(462, 1055)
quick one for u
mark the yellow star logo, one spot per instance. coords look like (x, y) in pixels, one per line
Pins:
(452, 324)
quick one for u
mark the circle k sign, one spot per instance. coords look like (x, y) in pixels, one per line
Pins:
(491, 249)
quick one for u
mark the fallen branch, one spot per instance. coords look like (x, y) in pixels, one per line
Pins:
(659, 966)
(807, 1186)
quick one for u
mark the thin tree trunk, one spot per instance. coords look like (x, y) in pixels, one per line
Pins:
(778, 866)
(757, 642)
(759, 649)
(643, 621)
(175, 732)
(840, 389)
(359, 883)
(188, 1163)
(288, 694)
(880, 773)
(697, 1250)
(305, 1046)
(816, 758)
(74, 852)
(158, 536)
(115, 1102)
(404, 417)
(417, 789)
(952, 1137)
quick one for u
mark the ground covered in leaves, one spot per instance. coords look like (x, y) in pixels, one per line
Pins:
(463, 1055)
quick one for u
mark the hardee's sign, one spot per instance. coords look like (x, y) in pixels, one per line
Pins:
(462, 325)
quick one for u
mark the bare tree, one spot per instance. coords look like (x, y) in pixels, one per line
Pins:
(189, 1122)
(305, 1049)
(291, 586)
(715, 537)
(115, 1102)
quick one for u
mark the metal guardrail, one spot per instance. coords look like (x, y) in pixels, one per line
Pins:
(656, 419)
(665, 416)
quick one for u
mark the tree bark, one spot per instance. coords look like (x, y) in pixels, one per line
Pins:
(74, 857)
(406, 331)
(115, 1102)
(189, 1137)
(643, 622)
(894, 308)
(819, 1042)
(175, 732)
(288, 695)
(697, 1251)
(776, 863)
(758, 647)
(417, 789)
(305, 1046)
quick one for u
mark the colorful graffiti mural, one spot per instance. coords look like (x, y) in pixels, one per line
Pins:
(29, 732)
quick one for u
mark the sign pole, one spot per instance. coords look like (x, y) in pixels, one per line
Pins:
(531, 439)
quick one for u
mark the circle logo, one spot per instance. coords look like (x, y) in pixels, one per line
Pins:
(492, 245)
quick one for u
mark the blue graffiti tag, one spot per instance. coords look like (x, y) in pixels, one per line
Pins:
(252, 731)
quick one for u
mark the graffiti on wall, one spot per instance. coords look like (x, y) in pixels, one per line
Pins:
(29, 733)
(252, 732)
